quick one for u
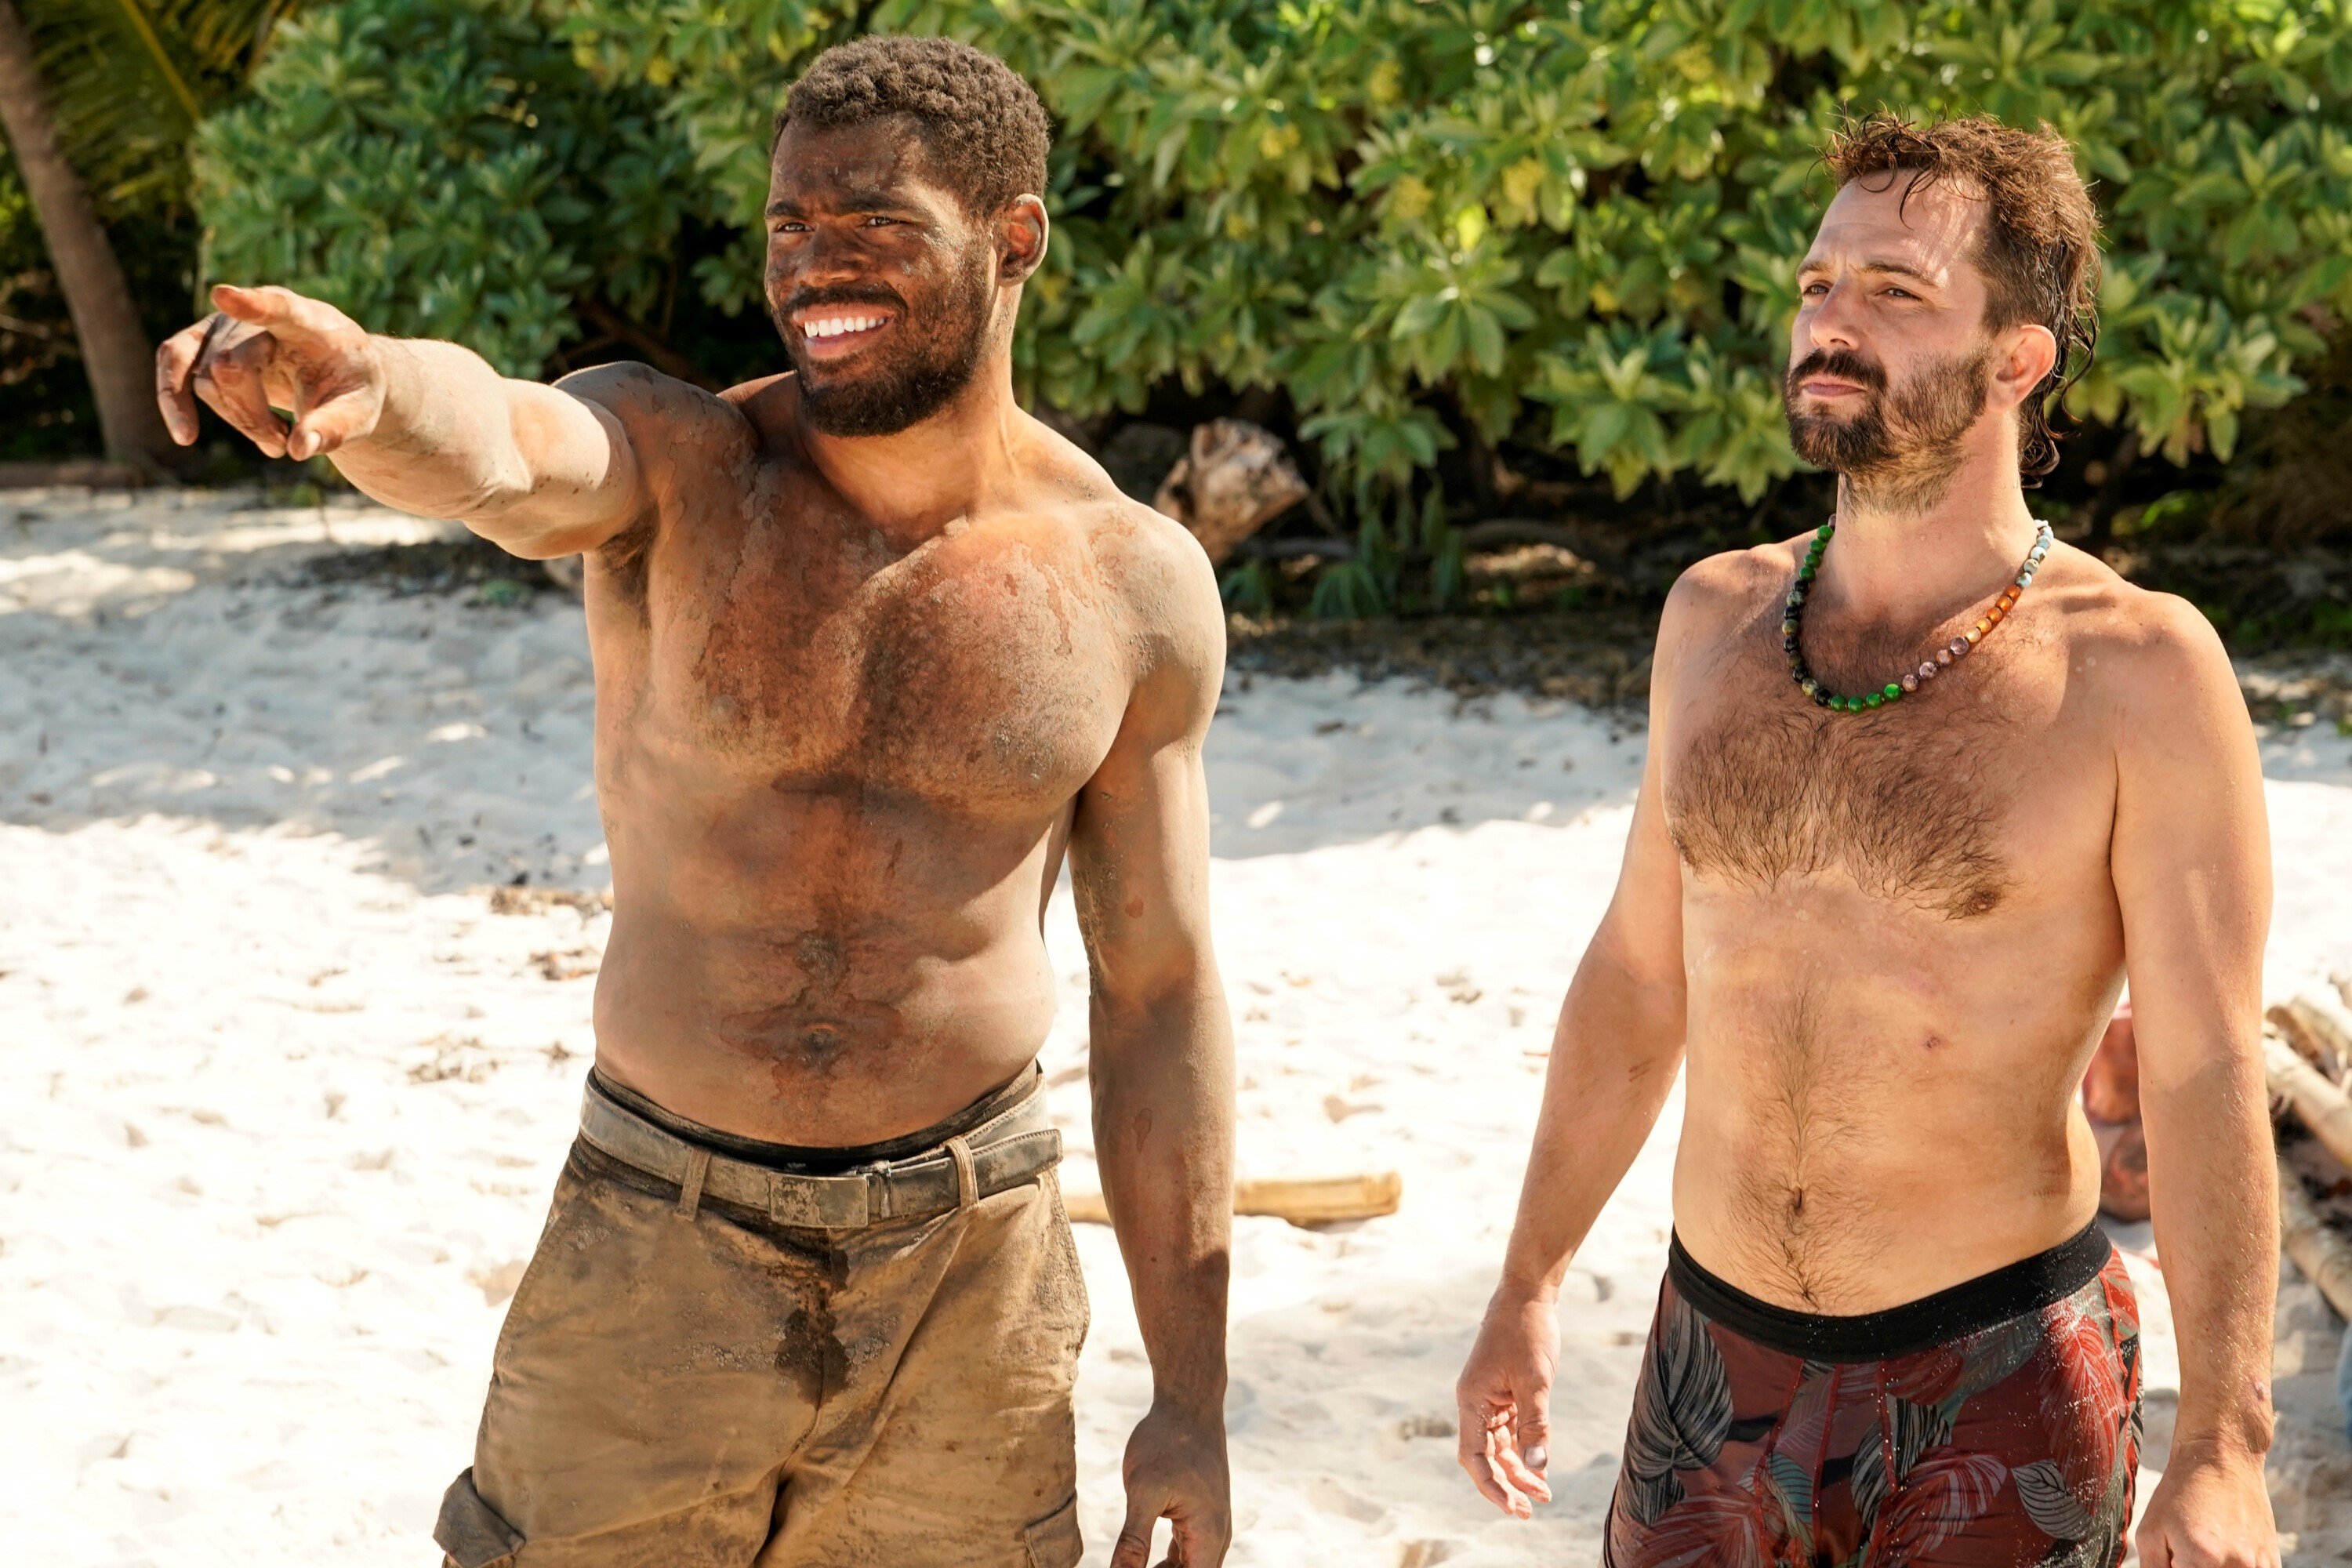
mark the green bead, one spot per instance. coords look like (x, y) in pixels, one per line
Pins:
(1873, 700)
(1837, 704)
(1894, 692)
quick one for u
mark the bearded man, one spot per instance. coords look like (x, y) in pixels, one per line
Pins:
(1921, 785)
(872, 650)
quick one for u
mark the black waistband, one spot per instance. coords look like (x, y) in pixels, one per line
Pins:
(822, 1160)
(1967, 1307)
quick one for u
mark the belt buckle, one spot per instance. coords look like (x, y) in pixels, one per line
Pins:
(820, 1202)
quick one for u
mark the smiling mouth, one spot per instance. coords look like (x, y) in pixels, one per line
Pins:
(836, 331)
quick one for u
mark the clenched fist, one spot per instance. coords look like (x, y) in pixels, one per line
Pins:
(270, 349)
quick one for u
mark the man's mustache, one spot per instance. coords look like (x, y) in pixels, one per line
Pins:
(1844, 364)
(843, 294)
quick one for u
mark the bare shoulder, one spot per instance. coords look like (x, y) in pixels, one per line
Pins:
(1155, 580)
(2150, 661)
(1151, 568)
(665, 418)
(1721, 595)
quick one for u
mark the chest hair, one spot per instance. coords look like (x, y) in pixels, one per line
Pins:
(1770, 787)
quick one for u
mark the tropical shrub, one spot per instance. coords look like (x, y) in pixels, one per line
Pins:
(445, 168)
(1453, 233)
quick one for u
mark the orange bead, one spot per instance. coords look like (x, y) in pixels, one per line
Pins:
(1993, 615)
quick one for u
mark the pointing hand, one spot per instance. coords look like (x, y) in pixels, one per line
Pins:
(268, 348)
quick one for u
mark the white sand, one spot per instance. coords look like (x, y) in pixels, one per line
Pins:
(285, 1098)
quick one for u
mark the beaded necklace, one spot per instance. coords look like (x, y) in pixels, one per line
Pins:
(1793, 620)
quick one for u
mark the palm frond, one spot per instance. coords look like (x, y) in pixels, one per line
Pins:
(129, 79)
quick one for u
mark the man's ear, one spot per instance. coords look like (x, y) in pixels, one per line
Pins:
(2027, 357)
(1021, 230)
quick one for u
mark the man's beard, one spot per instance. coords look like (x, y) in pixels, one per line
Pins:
(1900, 452)
(924, 363)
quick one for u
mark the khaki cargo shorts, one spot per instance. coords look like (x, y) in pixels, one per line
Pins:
(683, 1381)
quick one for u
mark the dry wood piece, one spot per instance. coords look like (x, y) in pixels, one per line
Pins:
(2315, 1034)
(2324, 1257)
(2320, 1104)
(1322, 1200)
(1235, 479)
(1315, 1200)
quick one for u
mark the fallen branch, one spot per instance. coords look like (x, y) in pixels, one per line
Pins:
(2324, 1257)
(2316, 1035)
(1500, 533)
(2321, 1105)
(1303, 1202)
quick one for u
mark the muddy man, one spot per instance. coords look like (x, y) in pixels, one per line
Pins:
(874, 651)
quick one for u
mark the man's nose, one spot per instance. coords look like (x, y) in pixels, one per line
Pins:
(830, 257)
(1831, 324)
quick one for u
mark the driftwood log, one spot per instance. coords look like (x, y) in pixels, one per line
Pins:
(1235, 481)
(1316, 1199)
(2315, 1034)
(2324, 1257)
(2321, 1106)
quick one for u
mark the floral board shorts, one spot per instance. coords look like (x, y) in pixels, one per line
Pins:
(1997, 1423)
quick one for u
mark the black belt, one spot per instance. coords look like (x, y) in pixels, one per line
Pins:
(1007, 1150)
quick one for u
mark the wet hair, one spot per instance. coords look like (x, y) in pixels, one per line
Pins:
(985, 133)
(2040, 253)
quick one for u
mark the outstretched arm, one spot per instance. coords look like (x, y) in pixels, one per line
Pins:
(428, 427)
(1613, 1057)
(2190, 858)
(1162, 1066)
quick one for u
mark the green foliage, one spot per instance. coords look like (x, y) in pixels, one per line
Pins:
(445, 168)
(1566, 229)
(129, 79)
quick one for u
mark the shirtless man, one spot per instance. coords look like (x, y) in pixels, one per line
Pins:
(1907, 820)
(874, 649)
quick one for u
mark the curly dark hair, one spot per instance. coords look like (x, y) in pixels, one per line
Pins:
(986, 133)
(2041, 247)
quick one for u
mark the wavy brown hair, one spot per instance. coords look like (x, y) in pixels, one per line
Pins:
(2040, 253)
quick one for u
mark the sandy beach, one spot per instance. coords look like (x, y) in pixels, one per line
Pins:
(290, 1081)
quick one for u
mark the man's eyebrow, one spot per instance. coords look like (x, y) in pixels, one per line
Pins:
(868, 199)
(1900, 269)
(1874, 264)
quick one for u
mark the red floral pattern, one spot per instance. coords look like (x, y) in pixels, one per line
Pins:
(2016, 1447)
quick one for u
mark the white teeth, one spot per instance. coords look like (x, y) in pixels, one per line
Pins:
(834, 326)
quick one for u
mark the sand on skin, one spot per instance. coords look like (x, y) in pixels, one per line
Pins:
(288, 1097)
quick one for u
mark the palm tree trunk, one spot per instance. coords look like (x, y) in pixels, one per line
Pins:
(115, 351)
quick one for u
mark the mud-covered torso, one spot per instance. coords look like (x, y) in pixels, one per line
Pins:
(835, 771)
(1900, 941)
(975, 673)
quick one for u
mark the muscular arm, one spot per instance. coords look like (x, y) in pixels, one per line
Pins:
(1615, 1052)
(2191, 860)
(538, 471)
(428, 427)
(1163, 1063)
